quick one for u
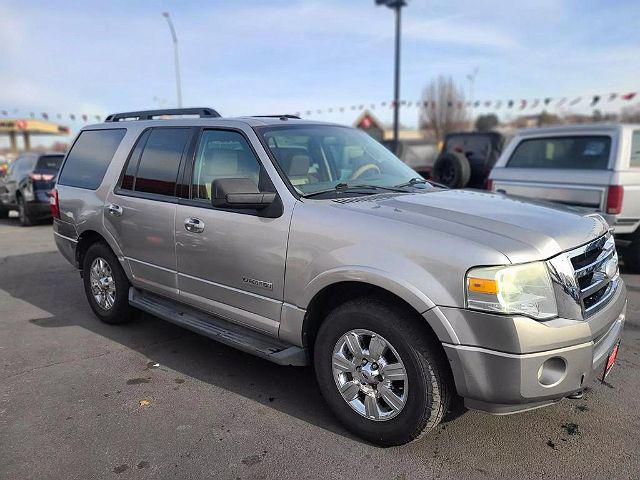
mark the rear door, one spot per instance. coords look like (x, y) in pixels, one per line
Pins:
(140, 211)
(571, 169)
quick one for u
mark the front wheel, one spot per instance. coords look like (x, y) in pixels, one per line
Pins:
(382, 375)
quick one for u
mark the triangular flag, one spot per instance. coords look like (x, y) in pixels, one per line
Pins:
(628, 96)
(595, 100)
(547, 100)
(523, 103)
(575, 101)
(612, 96)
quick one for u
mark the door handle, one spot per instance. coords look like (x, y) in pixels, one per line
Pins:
(115, 210)
(194, 225)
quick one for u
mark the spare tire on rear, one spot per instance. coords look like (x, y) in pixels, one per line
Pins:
(452, 170)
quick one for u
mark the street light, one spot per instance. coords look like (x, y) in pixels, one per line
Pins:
(175, 57)
(396, 5)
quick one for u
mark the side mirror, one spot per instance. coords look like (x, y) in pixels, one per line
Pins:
(239, 193)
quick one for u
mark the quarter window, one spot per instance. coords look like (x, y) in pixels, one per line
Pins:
(158, 167)
(90, 157)
(222, 154)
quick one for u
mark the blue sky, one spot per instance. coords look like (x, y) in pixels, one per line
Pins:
(256, 57)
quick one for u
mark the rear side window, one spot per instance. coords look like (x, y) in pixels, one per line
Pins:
(89, 158)
(635, 149)
(575, 153)
(160, 160)
(49, 162)
(473, 146)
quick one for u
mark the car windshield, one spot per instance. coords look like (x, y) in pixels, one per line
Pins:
(316, 158)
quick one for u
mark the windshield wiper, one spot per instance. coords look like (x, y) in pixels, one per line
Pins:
(416, 181)
(345, 187)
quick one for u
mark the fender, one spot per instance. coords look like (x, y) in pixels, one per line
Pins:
(389, 282)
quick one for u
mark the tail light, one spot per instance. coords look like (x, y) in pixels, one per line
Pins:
(54, 203)
(488, 184)
(47, 177)
(614, 199)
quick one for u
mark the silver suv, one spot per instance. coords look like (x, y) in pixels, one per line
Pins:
(310, 243)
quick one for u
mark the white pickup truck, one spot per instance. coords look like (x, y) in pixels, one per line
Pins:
(596, 167)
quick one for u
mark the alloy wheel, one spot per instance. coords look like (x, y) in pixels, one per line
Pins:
(103, 285)
(370, 375)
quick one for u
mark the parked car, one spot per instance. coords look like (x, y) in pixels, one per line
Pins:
(466, 158)
(310, 243)
(27, 184)
(593, 167)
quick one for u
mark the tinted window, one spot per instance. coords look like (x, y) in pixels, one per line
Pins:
(473, 146)
(158, 168)
(583, 152)
(129, 176)
(635, 149)
(49, 162)
(89, 158)
(222, 154)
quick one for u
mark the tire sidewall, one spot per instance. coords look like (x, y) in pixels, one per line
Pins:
(119, 312)
(460, 165)
(390, 432)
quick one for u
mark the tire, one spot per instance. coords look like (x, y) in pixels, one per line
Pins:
(631, 255)
(4, 212)
(23, 213)
(452, 170)
(114, 307)
(428, 388)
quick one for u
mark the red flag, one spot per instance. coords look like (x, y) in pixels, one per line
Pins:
(523, 104)
(628, 96)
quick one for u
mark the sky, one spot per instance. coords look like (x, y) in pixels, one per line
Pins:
(245, 57)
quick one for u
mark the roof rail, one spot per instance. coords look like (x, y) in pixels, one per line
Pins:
(150, 114)
(286, 115)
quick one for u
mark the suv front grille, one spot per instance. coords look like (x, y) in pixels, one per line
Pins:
(596, 273)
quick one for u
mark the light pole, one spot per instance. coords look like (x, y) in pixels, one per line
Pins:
(176, 59)
(472, 80)
(396, 5)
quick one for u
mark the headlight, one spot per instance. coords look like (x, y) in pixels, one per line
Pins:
(515, 289)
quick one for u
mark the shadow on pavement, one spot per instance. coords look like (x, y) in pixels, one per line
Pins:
(47, 282)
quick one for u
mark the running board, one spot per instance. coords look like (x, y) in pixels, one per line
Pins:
(232, 334)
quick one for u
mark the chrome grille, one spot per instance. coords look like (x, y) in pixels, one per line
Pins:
(596, 273)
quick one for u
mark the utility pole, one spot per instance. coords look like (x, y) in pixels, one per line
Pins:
(396, 5)
(472, 80)
(176, 58)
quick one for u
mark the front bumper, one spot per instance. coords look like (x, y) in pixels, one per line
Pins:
(519, 374)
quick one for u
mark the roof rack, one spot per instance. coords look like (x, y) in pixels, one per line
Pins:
(286, 115)
(150, 114)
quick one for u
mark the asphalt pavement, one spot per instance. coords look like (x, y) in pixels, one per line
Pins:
(82, 399)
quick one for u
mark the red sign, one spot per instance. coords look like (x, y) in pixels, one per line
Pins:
(21, 124)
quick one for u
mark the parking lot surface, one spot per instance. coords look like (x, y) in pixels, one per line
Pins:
(82, 399)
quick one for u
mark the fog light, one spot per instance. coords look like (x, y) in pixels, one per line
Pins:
(552, 371)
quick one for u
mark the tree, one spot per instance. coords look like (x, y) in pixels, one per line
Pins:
(484, 123)
(546, 118)
(443, 107)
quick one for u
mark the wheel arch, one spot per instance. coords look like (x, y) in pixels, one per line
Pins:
(90, 237)
(333, 294)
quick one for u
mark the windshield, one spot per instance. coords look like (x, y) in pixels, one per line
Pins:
(320, 157)
(49, 162)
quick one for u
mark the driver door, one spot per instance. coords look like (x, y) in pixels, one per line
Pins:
(230, 261)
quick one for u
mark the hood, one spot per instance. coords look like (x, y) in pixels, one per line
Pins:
(521, 230)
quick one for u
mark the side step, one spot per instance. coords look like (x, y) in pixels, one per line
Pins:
(218, 329)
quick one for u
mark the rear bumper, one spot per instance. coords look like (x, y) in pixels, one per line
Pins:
(65, 243)
(499, 382)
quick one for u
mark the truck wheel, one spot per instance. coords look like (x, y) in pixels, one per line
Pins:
(381, 374)
(4, 212)
(452, 170)
(106, 285)
(23, 213)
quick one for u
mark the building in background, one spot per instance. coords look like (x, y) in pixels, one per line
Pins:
(26, 128)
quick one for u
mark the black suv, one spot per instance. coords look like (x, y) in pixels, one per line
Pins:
(466, 158)
(27, 186)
